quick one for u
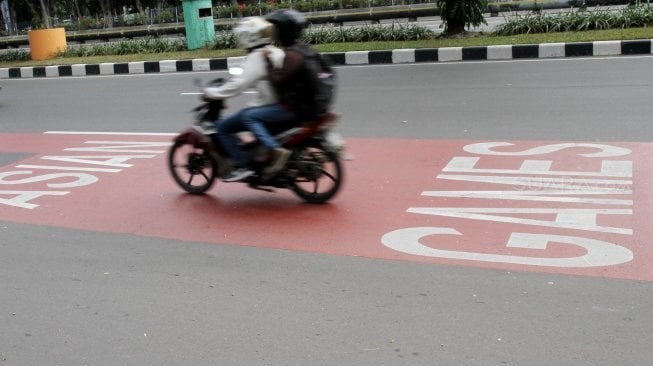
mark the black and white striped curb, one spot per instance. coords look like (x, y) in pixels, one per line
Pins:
(397, 56)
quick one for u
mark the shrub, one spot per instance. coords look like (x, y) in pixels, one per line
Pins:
(228, 40)
(640, 15)
(367, 33)
(165, 16)
(226, 11)
(147, 45)
(15, 55)
(225, 41)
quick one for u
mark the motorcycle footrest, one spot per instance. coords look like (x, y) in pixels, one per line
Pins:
(257, 187)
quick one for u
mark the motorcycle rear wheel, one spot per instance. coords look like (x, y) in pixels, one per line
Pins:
(192, 168)
(319, 176)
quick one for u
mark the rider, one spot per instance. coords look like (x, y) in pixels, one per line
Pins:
(254, 35)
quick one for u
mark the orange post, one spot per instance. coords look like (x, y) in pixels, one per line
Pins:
(46, 43)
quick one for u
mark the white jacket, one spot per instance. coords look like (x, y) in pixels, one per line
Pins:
(255, 74)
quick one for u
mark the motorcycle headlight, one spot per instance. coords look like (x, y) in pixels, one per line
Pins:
(334, 141)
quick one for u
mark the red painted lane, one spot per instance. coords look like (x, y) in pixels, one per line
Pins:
(380, 203)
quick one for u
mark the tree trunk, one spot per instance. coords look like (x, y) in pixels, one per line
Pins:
(107, 13)
(238, 12)
(32, 9)
(78, 12)
(139, 7)
(45, 14)
(6, 17)
(455, 26)
(160, 4)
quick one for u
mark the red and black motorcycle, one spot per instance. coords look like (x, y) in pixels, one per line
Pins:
(313, 172)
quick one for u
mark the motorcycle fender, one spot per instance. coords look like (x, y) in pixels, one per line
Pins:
(200, 141)
(193, 137)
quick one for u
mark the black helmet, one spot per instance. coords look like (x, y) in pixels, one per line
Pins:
(289, 24)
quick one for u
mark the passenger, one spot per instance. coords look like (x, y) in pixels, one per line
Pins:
(291, 81)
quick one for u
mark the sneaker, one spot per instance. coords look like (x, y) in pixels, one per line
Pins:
(237, 175)
(279, 158)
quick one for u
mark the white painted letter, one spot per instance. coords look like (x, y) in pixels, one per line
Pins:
(609, 168)
(22, 198)
(485, 148)
(117, 161)
(122, 146)
(83, 179)
(566, 218)
(599, 253)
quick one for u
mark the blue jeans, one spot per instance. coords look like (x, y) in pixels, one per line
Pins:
(251, 119)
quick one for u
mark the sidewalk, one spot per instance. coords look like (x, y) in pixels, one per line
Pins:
(397, 56)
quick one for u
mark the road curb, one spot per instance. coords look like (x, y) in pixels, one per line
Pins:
(396, 56)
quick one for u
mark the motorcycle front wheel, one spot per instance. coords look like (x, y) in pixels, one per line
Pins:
(319, 175)
(192, 168)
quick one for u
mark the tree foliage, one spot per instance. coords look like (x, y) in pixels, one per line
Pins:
(44, 13)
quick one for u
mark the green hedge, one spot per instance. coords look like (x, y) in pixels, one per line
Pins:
(576, 20)
(227, 40)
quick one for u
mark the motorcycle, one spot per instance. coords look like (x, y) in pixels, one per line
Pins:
(313, 172)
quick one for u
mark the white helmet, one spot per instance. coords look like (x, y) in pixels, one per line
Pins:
(253, 32)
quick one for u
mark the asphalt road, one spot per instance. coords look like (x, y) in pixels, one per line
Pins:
(532, 99)
(77, 297)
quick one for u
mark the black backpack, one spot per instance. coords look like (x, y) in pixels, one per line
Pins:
(312, 91)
